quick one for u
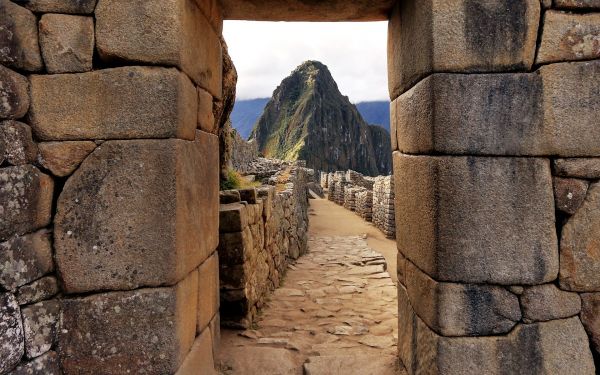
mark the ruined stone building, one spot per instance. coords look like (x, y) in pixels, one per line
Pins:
(110, 117)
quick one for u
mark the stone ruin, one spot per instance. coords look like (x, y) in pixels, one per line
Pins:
(109, 176)
(371, 198)
(262, 231)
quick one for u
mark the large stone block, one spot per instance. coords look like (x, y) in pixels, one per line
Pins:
(550, 112)
(124, 332)
(233, 217)
(67, 42)
(208, 292)
(461, 309)
(40, 322)
(25, 259)
(556, 347)
(11, 331)
(200, 360)
(547, 302)
(19, 46)
(63, 158)
(60, 6)
(477, 219)
(14, 94)
(46, 364)
(580, 246)
(590, 317)
(459, 36)
(568, 37)
(19, 147)
(161, 32)
(577, 4)
(120, 103)
(132, 203)
(25, 200)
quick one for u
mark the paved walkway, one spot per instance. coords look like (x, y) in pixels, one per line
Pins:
(336, 313)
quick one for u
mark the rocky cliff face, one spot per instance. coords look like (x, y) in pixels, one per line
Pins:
(309, 119)
(382, 147)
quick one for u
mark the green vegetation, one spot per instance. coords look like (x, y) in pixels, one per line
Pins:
(236, 181)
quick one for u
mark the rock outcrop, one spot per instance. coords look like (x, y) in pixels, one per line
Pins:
(309, 119)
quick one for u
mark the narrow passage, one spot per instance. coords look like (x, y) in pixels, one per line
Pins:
(336, 312)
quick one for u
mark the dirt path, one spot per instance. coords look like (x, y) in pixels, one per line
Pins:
(336, 312)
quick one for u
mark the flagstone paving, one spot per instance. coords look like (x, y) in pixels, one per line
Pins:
(335, 313)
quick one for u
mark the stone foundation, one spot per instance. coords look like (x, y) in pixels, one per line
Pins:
(262, 231)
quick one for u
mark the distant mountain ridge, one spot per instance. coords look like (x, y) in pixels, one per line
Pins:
(309, 119)
(246, 112)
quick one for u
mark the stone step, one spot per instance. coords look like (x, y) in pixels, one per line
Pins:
(353, 365)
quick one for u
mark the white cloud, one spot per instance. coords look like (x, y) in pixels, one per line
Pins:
(264, 53)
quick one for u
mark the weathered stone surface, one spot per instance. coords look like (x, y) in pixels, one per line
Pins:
(206, 117)
(63, 158)
(67, 42)
(25, 200)
(590, 317)
(234, 247)
(263, 360)
(459, 36)
(208, 291)
(39, 324)
(580, 246)
(11, 331)
(14, 95)
(297, 10)
(461, 309)
(200, 359)
(19, 46)
(248, 195)
(229, 196)
(577, 167)
(232, 218)
(129, 102)
(577, 4)
(569, 193)
(19, 145)
(215, 333)
(547, 302)
(133, 202)
(358, 364)
(555, 347)
(59, 6)
(121, 332)
(25, 259)
(568, 37)
(163, 33)
(477, 219)
(551, 112)
(46, 364)
(39, 290)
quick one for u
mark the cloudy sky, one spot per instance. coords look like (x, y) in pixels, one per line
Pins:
(264, 53)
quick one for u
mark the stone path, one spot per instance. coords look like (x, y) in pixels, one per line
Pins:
(336, 313)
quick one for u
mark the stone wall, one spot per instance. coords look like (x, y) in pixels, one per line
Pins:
(383, 210)
(494, 125)
(263, 230)
(243, 153)
(109, 175)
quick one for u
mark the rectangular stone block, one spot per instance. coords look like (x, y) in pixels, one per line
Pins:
(459, 36)
(67, 43)
(60, 6)
(19, 47)
(461, 309)
(232, 217)
(550, 112)
(14, 94)
(208, 292)
(132, 203)
(25, 259)
(477, 219)
(123, 332)
(25, 200)
(588, 168)
(580, 246)
(161, 32)
(206, 117)
(39, 290)
(200, 360)
(547, 302)
(40, 322)
(120, 103)
(555, 347)
(577, 4)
